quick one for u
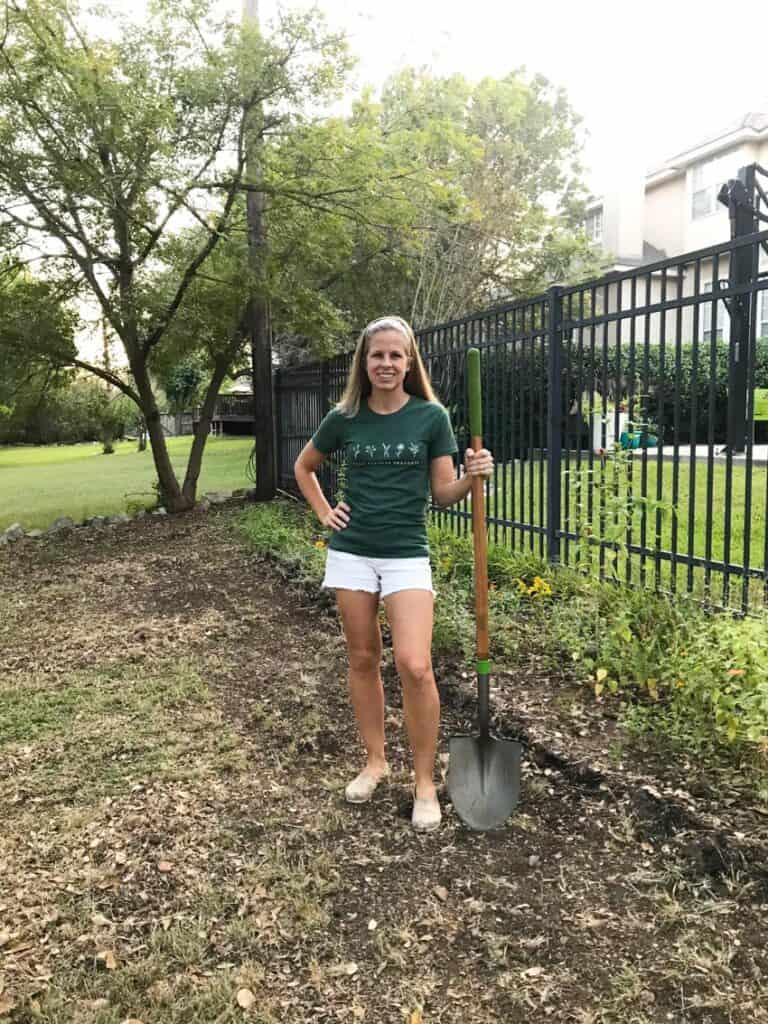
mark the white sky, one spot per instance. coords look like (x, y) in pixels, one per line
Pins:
(648, 78)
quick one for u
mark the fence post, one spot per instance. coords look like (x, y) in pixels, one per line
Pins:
(554, 425)
(325, 389)
(739, 196)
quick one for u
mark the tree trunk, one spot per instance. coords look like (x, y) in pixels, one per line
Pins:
(258, 311)
(263, 411)
(189, 490)
(172, 496)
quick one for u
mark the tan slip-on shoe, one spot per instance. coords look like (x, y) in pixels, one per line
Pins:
(361, 789)
(426, 815)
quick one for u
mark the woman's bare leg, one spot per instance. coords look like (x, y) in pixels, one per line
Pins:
(410, 614)
(359, 612)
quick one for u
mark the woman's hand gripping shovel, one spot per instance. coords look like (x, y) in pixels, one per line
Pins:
(484, 772)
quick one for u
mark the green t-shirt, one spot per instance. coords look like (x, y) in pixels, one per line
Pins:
(386, 458)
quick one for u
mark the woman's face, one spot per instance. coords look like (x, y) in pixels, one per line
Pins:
(387, 360)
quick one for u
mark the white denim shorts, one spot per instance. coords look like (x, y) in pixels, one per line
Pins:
(376, 575)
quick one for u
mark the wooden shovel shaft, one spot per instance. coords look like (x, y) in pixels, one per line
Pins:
(481, 559)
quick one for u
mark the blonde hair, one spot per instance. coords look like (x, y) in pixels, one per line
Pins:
(358, 385)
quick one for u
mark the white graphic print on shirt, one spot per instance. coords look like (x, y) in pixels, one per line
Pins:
(410, 453)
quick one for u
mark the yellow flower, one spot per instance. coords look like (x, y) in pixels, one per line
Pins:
(320, 544)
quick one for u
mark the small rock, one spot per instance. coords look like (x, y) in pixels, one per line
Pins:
(204, 505)
(217, 497)
(118, 519)
(141, 514)
(160, 512)
(60, 525)
(95, 521)
(14, 532)
(34, 534)
(240, 492)
(534, 860)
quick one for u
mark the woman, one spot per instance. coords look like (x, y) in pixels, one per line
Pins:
(398, 444)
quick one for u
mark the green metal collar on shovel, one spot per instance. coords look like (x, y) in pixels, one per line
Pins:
(484, 772)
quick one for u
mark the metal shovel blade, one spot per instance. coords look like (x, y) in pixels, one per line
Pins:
(484, 779)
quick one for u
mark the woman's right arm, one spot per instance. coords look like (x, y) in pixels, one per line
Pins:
(305, 470)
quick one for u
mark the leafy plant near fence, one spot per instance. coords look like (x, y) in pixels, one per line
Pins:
(607, 502)
(670, 668)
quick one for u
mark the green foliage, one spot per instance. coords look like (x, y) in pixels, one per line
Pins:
(83, 410)
(288, 533)
(606, 504)
(36, 341)
(654, 385)
(490, 151)
(658, 384)
(696, 677)
(182, 384)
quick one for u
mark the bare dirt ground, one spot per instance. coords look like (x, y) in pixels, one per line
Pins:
(174, 744)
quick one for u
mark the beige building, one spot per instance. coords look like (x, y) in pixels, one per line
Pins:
(672, 211)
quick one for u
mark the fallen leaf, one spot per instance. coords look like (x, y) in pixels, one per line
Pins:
(6, 1005)
(441, 892)
(132, 1020)
(95, 1004)
(416, 1017)
(107, 959)
(100, 921)
(245, 998)
(346, 968)
(533, 972)
(164, 866)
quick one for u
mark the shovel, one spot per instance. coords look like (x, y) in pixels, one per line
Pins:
(483, 772)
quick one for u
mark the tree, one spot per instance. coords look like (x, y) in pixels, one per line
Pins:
(508, 223)
(109, 147)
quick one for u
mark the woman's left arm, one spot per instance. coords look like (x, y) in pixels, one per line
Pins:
(446, 489)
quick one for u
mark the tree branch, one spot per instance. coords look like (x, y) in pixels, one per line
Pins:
(110, 378)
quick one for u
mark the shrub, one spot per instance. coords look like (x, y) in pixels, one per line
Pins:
(515, 406)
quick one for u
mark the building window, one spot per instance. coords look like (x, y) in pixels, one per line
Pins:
(594, 225)
(762, 319)
(706, 317)
(706, 180)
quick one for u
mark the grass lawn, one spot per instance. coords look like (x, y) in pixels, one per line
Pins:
(37, 484)
(519, 494)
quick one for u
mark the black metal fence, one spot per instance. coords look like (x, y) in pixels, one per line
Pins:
(627, 417)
